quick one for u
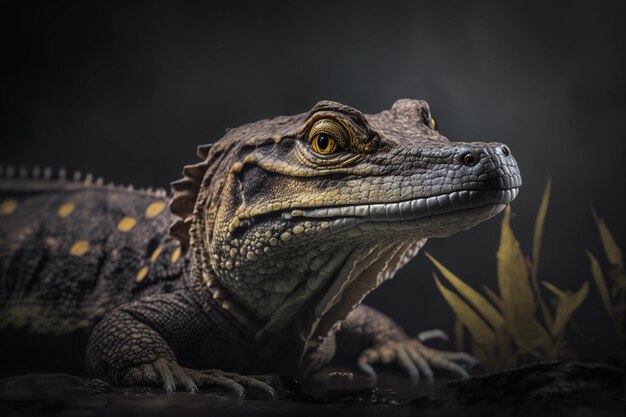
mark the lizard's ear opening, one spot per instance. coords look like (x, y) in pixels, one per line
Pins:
(185, 192)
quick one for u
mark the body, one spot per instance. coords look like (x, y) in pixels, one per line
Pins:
(277, 235)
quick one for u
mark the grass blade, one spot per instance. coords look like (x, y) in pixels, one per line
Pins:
(494, 298)
(598, 279)
(536, 250)
(539, 222)
(517, 295)
(567, 303)
(480, 331)
(479, 302)
(612, 251)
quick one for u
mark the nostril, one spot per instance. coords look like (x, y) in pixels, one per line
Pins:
(505, 150)
(469, 159)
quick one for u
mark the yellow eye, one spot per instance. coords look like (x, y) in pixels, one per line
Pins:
(433, 123)
(324, 144)
(326, 136)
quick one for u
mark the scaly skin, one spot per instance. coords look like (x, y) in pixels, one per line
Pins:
(281, 234)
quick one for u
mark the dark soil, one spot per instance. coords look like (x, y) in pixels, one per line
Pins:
(546, 388)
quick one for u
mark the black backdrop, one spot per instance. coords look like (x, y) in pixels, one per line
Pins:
(127, 90)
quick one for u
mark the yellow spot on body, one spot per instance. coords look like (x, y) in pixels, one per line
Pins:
(8, 206)
(251, 256)
(154, 209)
(228, 265)
(325, 225)
(176, 254)
(141, 274)
(273, 241)
(298, 229)
(126, 224)
(79, 248)
(268, 234)
(296, 213)
(285, 236)
(276, 138)
(233, 253)
(237, 166)
(66, 209)
(155, 254)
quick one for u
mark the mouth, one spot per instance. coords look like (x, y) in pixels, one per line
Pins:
(409, 211)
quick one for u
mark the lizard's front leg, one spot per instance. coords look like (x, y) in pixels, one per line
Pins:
(375, 338)
(136, 344)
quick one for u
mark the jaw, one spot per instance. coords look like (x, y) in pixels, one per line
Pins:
(435, 216)
(377, 240)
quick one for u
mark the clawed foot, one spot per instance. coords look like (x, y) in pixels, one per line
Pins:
(172, 376)
(415, 358)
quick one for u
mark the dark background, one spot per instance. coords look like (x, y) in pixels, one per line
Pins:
(127, 90)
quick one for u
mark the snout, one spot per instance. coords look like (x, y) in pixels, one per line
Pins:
(487, 166)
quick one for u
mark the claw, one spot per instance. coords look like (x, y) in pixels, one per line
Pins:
(432, 334)
(415, 358)
(422, 364)
(405, 362)
(171, 375)
(367, 369)
(163, 370)
(468, 359)
(248, 382)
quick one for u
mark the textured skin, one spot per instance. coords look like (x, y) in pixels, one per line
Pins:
(271, 250)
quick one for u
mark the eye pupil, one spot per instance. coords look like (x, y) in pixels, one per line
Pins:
(322, 141)
(325, 135)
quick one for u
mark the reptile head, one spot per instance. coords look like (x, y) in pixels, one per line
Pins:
(295, 219)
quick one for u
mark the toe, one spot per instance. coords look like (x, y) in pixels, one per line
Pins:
(364, 365)
(261, 386)
(183, 377)
(252, 383)
(405, 361)
(432, 334)
(422, 363)
(166, 375)
(462, 357)
(235, 389)
(455, 368)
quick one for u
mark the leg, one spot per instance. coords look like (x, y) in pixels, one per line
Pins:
(375, 338)
(133, 345)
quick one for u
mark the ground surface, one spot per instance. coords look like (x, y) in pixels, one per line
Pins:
(568, 389)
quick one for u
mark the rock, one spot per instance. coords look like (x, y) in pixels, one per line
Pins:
(572, 382)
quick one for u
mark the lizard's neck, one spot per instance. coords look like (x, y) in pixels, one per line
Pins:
(282, 352)
(305, 322)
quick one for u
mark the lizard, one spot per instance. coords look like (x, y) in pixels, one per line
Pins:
(258, 260)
